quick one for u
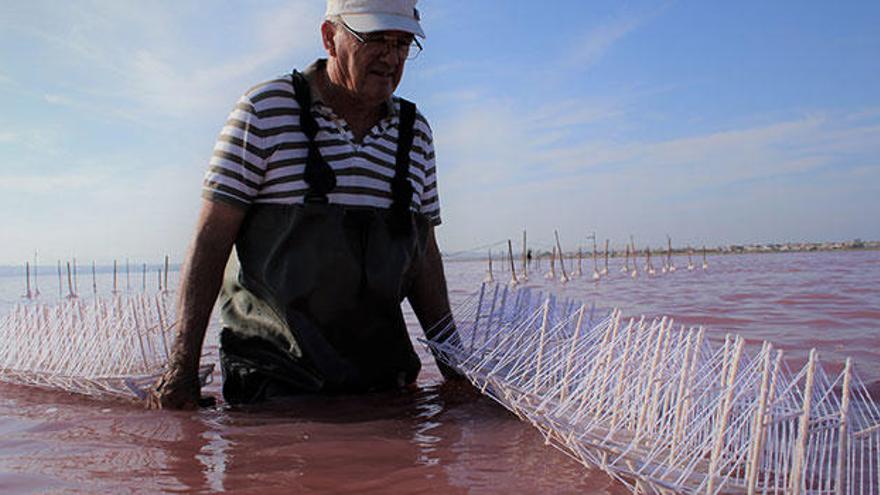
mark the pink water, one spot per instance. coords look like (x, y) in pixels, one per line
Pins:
(434, 439)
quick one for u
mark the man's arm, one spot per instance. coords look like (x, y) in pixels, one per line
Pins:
(202, 276)
(429, 297)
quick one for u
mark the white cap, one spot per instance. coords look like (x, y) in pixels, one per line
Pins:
(377, 15)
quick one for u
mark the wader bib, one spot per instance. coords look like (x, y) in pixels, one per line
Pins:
(316, 306)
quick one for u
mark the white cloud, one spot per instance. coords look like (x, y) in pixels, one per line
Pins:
(593, 46)
(519, 169)
(57, 99)
(43, 184)
(146, 61)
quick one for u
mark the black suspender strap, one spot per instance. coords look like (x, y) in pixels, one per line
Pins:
(401, 187)
(318, 174)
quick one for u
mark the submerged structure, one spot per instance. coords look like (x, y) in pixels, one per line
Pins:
(661, 408)
(103, 347)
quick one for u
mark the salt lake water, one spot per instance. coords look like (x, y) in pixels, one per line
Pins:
(436, 438)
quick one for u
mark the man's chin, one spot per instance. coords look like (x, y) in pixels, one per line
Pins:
(377, 94)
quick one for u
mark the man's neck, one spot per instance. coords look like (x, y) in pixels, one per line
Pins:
(361, 116)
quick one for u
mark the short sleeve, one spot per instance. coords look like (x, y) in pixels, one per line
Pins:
(238, 163)
(430, 201)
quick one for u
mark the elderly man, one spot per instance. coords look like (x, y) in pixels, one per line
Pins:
(325, 183)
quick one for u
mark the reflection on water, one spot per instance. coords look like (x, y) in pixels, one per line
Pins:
(430, 439)
(433, 438)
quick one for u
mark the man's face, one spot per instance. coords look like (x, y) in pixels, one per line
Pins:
(371, 70)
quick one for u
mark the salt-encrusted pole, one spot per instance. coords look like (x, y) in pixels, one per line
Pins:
(477, 316)
(595, 263)
(70, 292)
(572, 350)
(724, 414)
(36, 282)
(564, 278)
(490, 275)
(75, 279)
(842, 446)
(544, 322)
(551, 275)
(60, 284)
(166, 272)
(115, 278)
(759, 423)
(27, 276)
(605, 270)
(800, 452)
(635, 255)
(513, 280)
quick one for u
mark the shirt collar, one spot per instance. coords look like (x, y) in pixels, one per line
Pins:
(311, 73)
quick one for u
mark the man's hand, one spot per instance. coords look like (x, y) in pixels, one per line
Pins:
(202, 276)
(175, 389)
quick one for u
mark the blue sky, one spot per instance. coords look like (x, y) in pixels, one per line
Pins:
(714, 122)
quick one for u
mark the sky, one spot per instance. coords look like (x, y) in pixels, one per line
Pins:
(713, 122)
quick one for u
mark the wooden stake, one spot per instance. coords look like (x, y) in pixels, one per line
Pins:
(541, 339)
(561, 257)
(490, 276)
(36, 284)
(27, 277)
(721, 427)
(477, 317)
(605, 271)
(75, 279)
(679, 414)
(800, 452)
(513, 279)
(70, 293)
(115, 286)
(595, 263)
(758, 424)
(166, 272)
(60, 284)
(574, 339)
(842, 430)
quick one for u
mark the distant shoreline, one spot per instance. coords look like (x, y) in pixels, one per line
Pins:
(773, 248)
(791, 247)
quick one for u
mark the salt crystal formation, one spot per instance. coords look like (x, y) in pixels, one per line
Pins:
(665, 409)
(102, 347)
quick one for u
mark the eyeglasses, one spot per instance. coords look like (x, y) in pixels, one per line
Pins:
(408, 48)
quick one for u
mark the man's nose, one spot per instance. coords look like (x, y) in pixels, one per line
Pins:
(391, 55)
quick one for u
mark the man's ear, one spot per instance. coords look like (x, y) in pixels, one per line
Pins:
(328, 31)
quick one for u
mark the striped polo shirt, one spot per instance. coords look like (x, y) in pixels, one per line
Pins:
(260, 155)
